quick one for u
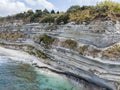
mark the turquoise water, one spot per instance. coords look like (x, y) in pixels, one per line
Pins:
(18, 76)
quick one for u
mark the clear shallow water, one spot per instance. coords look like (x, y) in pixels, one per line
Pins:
(18, 76)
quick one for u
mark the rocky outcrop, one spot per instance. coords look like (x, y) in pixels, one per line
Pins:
(67, 51)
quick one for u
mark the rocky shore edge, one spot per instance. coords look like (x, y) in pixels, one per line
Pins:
(76, 78)
(86, 83)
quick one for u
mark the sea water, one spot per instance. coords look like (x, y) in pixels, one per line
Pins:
(15, 75)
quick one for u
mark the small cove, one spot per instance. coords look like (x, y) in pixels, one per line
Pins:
(16, 75)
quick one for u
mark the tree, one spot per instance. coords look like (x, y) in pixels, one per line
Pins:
(73, 8)
(63, 18)
(45, 11)
(28, 13)
(86, 8)
(20, 16)
(58, 12)
(47, 19)
(38, 13)
(34, 17)
(52, 12)
(109, 5)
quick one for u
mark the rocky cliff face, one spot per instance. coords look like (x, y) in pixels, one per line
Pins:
(88, 52)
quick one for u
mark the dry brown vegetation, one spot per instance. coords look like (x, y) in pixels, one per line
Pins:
(105, 10)
(72, 44)
(82, 49)
(112, 52)
(9, 36)
(85, 50)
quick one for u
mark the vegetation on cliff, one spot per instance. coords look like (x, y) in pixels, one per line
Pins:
(72, 44)
(44, 39)
(103, 11)
(112, 52)
(82, 49)
(9, 36)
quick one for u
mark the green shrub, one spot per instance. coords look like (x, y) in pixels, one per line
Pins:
(109, 5)
(112, 52)
(63, 19)
(73, 8)
(33, 51)
(40, 54)
(47, 19)
(70, 44)
(82, 49)
(45, 39)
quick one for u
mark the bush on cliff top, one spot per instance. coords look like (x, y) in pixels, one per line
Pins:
(103, 10)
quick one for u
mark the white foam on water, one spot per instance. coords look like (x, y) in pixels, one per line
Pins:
(25, 58)
(7, 55)
(19, 56)
(3, 59)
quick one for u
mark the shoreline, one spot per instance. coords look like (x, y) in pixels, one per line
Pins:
(32, 60)
(32, 63)
(76, 78)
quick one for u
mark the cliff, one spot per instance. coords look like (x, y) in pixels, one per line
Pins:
(87, 52)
